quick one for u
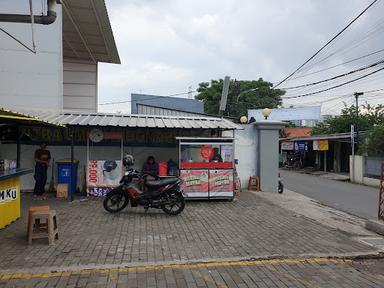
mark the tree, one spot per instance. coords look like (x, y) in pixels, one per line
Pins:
(374, 143)
(369, 116)
(242, 95)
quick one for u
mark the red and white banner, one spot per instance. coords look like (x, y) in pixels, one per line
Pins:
(220, 183)
(195, 182)
(102, 176)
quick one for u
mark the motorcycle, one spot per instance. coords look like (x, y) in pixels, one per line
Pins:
(165, 194)
(281, 185)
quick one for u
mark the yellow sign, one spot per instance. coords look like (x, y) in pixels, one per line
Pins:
(9, 201)
(320, 145)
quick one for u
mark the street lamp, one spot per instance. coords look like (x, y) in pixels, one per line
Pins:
(243, 119)
(266, 112)
(246, 91)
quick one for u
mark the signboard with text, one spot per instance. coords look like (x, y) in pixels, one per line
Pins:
(220, 183)
(103, 176)
(195, 182)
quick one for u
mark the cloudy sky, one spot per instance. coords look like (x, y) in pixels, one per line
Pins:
(167, 46)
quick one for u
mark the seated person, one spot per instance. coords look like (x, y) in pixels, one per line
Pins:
(217, 157)
(151, 167)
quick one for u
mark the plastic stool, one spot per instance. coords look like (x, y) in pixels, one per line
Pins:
(43, 224)
(254, 183)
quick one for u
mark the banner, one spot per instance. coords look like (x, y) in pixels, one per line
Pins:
(287, 146)
(301, 146)
(195, 182)
(320, 145)
(103, 176)
(220, 181)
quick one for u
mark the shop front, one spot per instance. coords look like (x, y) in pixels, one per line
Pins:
(10, 169)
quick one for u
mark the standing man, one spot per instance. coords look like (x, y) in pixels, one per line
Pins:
(42, 159)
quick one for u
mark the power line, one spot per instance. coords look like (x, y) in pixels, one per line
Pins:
(334, 66)
(326, 44)
(336, 86)
(336, 77)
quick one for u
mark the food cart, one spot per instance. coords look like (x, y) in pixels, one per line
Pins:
(207, 167)
(10, 194)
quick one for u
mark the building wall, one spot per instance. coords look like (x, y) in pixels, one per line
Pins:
(246, 153)
(29, 80)
(8, 151)
(175, 103)
(79, 86)
(150, 110)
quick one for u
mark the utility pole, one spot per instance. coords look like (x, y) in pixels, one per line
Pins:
(357, 94)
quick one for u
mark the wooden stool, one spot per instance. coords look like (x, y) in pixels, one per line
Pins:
(254, 183)
(43, 224)
(237, 186)
(35, 209)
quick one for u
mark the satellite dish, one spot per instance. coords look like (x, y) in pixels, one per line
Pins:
(96, 135)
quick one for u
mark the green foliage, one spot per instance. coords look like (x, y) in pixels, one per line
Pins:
(240, 99)
(374, 142)
(369, 116)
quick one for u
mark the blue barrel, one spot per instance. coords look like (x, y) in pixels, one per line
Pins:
(64, 172)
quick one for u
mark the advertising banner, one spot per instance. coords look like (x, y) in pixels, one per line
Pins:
(195, 182)
(220, 183)
(320, 145)
(287, 146)
(103, 176)
(301, 146)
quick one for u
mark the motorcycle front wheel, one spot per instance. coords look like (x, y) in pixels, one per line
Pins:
(175, 205)
(115, 201)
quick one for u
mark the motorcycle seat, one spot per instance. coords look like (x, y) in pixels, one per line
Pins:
(161, 182)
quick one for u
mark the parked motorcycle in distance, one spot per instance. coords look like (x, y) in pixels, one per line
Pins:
(165, 194)
(281, 185)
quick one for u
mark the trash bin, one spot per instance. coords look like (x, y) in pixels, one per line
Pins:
(64, 170)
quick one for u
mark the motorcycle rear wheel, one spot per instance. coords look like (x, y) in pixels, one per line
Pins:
(115, 201)
(177, 205)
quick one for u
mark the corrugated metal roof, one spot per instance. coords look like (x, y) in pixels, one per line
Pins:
(133, 120)
(21, 116)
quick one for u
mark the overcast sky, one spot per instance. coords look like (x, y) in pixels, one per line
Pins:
(168, 45)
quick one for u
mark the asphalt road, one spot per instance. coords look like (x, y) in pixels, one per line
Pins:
(355, 199)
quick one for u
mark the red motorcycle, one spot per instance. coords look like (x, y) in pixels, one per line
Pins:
(165, 194)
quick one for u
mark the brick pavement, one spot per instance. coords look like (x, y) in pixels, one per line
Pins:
(248, 227)
(278, 273)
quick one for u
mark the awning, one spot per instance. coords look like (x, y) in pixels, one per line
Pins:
(135, 120)
(87, 32)
(10, 115)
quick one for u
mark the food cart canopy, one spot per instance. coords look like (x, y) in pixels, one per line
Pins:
(134, 120)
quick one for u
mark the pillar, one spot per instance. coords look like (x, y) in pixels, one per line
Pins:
(267, 161)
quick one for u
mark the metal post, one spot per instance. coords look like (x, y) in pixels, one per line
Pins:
(325, 161)
(18, 150)
(353, 152)
(73, 186)
(357, 94)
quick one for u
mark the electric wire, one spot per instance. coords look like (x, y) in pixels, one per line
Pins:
(324, 46)
(335, 77)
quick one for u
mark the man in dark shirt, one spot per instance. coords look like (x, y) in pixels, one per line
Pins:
(42, 159)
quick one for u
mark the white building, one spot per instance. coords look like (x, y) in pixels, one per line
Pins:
(63, 73)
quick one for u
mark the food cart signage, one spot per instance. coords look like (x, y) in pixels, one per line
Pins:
(220, 181)
(206, 152)
(8, 194)
(194, 181)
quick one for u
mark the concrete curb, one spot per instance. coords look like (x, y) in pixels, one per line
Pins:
(375, 226)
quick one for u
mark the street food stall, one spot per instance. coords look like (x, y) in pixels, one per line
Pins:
(207, 167)
(10, 170)
(10, 194)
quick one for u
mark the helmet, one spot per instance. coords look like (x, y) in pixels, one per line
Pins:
(128, 160)
(109, 165)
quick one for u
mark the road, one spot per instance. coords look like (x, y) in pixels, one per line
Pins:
(355, 199)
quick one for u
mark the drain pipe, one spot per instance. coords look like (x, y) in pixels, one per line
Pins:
(45, 20)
